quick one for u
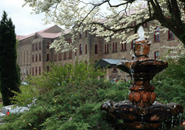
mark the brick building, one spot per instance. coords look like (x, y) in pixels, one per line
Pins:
(34, 53)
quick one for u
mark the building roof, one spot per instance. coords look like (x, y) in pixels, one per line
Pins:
(103, 63)
(49, 35)
(45, 33)
(19, 37)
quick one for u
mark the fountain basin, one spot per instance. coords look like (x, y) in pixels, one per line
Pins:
(144, 66)
(137, 118)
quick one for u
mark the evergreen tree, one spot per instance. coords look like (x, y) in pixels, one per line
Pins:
(9, 70)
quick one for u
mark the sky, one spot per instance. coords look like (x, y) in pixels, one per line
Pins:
(25, 22)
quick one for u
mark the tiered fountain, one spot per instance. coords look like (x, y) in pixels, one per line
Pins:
(141, 111)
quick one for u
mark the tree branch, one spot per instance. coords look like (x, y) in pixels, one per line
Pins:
(176, 12)
(149, 8)
(128, 1)
(156, 8)
(117, 30)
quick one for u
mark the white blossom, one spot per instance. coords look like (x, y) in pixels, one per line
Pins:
(81, 15)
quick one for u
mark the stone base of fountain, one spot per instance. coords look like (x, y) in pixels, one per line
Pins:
(137, 118)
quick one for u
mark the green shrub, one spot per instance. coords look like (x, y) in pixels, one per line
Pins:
(28, 93)
(70, 107)
(68, 97)
(58, 76)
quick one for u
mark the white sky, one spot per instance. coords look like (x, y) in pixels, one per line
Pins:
(25, 23)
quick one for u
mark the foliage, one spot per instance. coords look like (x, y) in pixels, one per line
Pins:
(170, 83)
(9, 70)
(26, 97)
(60, 75)
(175, 70)
(111, 22)
(174, 52)
(70, 107)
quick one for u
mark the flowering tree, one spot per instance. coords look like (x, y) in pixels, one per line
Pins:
(118, 21)
(174, 52)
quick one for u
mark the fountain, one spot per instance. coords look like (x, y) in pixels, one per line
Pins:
(141, 111)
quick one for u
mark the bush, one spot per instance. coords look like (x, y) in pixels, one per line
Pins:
(68, 97)
(69, 107)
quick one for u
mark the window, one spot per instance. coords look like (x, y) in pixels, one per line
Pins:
(36, 58)
(122, 25)
(55, 57)
(36, 46)
(132, 57)
(40, 57)
(132, 45)
(32, 47)
(80, 35)
(70, 54)
(133, 23)
(48, 45)
(114, 49)
(86, 49)
(115, 46)
(114, 70)
(32, 71)
(145, 24)
(156, 35)
(24, 57)
(70, 40)
(32, 58)
(64, 55)
(47, 57)
(60, 56)
(75, 52)
(124, 47)
(86, 33)
(35, 70)
(170, 35)
(39, 70)
(47, 68)
(96, 49)
(105, 48)
(80, 49)
(156, 54)
(39, 45)
(27, 57)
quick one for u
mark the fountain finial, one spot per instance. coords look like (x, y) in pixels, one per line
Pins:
(141, 33)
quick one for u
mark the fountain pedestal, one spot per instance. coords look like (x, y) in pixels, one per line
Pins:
(141, 111)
